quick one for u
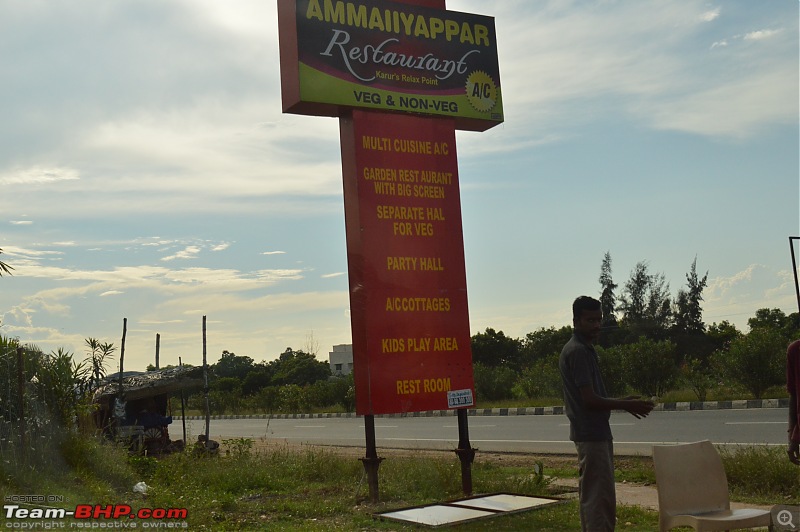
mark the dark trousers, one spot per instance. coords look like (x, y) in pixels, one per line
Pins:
(598, 498)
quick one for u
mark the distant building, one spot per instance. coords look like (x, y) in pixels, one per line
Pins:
(341, 359)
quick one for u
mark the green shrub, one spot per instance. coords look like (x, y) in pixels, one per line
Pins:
(649, 366)
(699, 377)
(493, 383)
(611, 367)
(542, 379)
(763, 472)
(756, 361)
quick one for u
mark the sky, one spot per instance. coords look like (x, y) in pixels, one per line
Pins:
(147, 171)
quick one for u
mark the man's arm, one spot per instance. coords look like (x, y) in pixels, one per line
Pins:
(794, 446)
(638, 408)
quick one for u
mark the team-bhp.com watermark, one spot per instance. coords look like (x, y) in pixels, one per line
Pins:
(35, 512)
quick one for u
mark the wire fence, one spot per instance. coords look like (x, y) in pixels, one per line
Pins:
(41, 404)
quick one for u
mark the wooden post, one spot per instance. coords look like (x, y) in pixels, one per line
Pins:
(183, 405)
(205, 383)
(23, 439)
(122, 356)
(117, 414)
(122, 351)
(158, 348)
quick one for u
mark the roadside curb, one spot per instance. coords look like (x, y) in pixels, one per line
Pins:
(523, 411)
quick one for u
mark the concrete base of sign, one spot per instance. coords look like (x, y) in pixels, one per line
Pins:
(470, 509)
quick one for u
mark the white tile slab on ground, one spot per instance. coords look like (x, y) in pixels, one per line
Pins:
(504, 502)
(467, 509)
(437, 515)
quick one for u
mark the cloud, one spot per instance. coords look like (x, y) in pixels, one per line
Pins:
(332, 275)
(761, 35)
(29, 253)
(156, 241)
(111, 293)
(785, 288)
(720, 286)
(739, 109)
(641, 60)
(273, 253)
(191, 288)
(283, 303)
(189, 252)
(21, 222)
(710, 15)
(38, 175)
(231, 279)
(221, 247)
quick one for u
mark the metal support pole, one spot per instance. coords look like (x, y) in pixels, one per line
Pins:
(794, 269)
(371, 461)
(465, 452)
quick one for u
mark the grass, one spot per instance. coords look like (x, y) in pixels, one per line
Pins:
(762, 475)
(283, 488)
(312, 488)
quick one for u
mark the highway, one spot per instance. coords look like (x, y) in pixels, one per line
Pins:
(529, 434)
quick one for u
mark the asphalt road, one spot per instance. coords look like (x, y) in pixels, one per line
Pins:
(520, 434)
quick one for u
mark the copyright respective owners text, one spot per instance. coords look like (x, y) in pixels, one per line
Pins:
(53, 512)
(786, 517)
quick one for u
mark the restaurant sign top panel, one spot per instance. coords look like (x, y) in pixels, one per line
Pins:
(381, 55)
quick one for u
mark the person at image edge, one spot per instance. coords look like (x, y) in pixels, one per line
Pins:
(792, 385)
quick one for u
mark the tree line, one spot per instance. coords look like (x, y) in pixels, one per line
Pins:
(294, 382)
(651, 343)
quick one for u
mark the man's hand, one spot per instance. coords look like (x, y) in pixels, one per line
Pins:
(637, 407)
(794, 453)
(632, 404)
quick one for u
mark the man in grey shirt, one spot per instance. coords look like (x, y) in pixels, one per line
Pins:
(589, 409)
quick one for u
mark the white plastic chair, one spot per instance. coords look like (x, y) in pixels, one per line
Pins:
(693, 490)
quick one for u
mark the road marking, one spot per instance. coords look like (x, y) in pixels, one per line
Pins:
(565, 442)
(755, 423)
(568, 442)
(471, 426)
(612, 424)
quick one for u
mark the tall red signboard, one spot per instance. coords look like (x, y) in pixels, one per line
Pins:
(402, 77)
(408, 289)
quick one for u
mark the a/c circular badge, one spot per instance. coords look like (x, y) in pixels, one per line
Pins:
(481, 91)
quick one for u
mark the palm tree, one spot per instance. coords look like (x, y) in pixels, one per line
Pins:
(4, 267)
